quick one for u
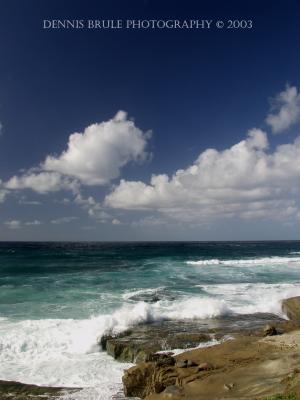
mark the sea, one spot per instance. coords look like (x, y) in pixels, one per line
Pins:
(58, 299)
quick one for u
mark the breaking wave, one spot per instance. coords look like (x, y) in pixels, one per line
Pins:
(245, 261)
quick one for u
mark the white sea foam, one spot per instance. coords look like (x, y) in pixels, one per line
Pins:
(245, 261)
(65, 352)
(212, 342)
(248, 298)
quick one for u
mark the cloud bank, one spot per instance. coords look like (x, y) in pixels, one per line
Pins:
(244, 180)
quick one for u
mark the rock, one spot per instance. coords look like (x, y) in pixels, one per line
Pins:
(229, 386)
(172, 392)
(181, 364)
(143, 341)
(165, 361)
(191, 363)
(160, 356)
(152, 297)
(205, 366)
(136, 380)
(291, 307)
(22, 391)
(269, 330)
(146, 378)
(103, 340)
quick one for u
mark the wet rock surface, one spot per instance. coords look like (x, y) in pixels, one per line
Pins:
(10, 390)
(141, 342)
(222, 371)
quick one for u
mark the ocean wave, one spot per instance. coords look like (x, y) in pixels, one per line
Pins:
(245, 261)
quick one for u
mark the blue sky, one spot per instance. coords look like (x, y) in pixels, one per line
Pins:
(146, 107)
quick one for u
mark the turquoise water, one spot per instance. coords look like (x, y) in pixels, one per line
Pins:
(56, 300)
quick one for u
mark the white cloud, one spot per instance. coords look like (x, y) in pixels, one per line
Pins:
(13, 224)
(93, 208)
(33, 223)
(286, 110)
(63, 220)
(16, 224)
(3, 192)
(116, 221)
(96, 156)
(42, 182)
(244, 180)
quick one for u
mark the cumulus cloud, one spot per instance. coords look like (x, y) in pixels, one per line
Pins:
(42, 182)
(96, 156)
(93, 157)
(93, 208)
(13, 224)
(244, 180)
(285, 110)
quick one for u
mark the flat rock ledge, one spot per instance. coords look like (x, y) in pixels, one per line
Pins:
(140, 343)
(244, 368)
(10, 390)
(262, 360)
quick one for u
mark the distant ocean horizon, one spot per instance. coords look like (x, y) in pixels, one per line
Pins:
(58, 298)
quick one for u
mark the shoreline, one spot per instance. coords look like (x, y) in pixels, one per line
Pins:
(195, 372)
(255, 365)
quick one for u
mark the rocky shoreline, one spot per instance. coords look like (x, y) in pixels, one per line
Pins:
(255, 365)
(238, 357)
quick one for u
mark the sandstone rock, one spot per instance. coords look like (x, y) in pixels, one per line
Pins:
(181, 364)
(229, 386)
(270, 330)
(136, 380)
(165, 361)
(146, 378)
(191, 363)
(21, 391)
(291, 307)
(140, 343)
(172, 392)
(160, 356)
(205, 366)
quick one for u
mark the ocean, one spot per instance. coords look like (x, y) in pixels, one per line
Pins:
(58, 299)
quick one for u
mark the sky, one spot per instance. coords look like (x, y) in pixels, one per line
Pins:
(149, 133)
